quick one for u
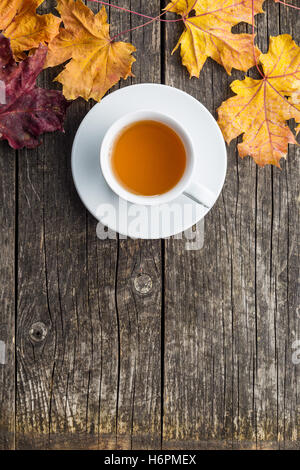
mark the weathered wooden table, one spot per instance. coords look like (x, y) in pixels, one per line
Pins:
(203, 359)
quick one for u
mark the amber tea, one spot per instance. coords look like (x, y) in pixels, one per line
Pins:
(148, 158)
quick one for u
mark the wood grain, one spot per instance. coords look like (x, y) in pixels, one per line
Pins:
(8, 202)
(139, 312)
(230, 316)
(85, 384)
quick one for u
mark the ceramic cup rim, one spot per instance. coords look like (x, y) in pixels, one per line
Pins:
(106, 148)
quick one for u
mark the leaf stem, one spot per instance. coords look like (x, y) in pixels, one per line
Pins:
(135, 12)
(288, 5)
(147, 22)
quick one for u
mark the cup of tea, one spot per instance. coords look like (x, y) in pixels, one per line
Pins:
(148, 158)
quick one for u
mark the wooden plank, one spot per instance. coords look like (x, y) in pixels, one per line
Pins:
(7, 295)
(67, 283)
(229, 311)
(288, 262)
(138, 283)
(278, 257)
(85, 351)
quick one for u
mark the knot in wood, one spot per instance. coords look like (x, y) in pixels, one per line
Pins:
(38, 332)
(143, 283)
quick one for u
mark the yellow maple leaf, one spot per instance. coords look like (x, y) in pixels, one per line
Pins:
(208, 33)
(262, 107)
(97, 63)
(24, 27)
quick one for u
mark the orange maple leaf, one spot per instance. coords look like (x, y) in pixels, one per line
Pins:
(208, 33)
(262, 107)
(24, 27)
(97, 63)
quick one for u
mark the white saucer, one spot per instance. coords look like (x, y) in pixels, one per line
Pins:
(146, 221)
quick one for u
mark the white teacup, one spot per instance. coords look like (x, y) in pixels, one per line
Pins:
(186, 184)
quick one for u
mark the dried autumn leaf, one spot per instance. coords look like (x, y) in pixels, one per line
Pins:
(262, 107)
(208, 33)
(24, 27)
(26, 111)
(97, 63)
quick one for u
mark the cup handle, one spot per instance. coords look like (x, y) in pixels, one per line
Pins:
(200, 194)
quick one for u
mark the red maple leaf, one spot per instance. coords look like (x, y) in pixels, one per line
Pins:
(27, 111)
